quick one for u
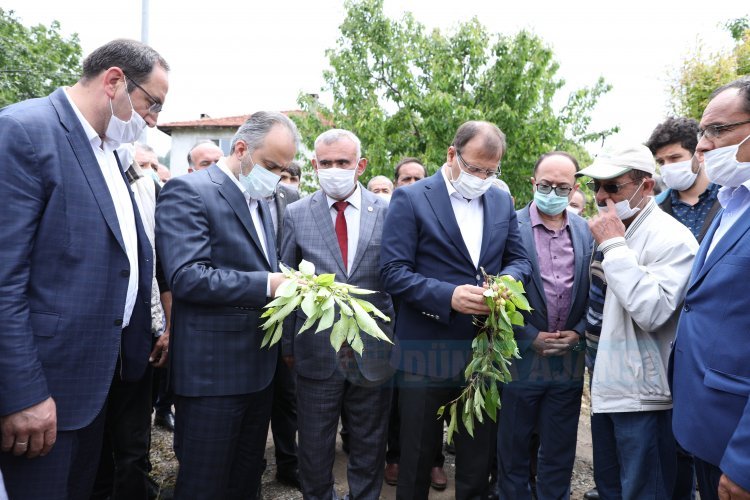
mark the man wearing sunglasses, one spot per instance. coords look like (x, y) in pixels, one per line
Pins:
(77, 269)
(711, 378)
(438, 236)
(642, 258)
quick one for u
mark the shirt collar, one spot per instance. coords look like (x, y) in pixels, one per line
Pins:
(536, 219)
(726, 193)
(451, 190)
(91, 135)
(354, 199)
(222, 164)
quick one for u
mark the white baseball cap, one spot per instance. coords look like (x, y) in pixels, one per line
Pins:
(616, 160)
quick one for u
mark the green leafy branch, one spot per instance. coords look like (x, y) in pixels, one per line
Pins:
(318, 296)
(492, 350)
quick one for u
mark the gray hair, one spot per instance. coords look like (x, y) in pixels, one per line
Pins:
(380, 178)
(135, 59)
(144, 147)
(335, 135)
(255, 129)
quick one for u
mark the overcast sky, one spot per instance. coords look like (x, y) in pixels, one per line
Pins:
(231, 57)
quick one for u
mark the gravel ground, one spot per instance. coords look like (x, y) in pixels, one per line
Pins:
(165, 467)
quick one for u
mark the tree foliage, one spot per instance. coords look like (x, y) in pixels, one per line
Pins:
(404, 91)
(700, 74)
(34, 60)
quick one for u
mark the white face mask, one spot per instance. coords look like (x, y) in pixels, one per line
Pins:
(336, 182)
(678, 176)
(723, 167)
(121, 131)
(573, 210)
(260, 182)
(470, 186)
(623, 208)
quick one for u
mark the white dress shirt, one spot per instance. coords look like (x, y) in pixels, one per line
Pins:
(352, 215)
(469, 216)
(118, 190)
(735, 202)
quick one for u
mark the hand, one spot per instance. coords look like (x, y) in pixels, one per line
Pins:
(555, 343)
(288, 361)
(469, 299)
(729, 490)
(607, 224)
(159, 356)
(31, 431)
(276, 280)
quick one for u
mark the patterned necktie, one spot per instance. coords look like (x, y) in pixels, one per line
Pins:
(340, 206)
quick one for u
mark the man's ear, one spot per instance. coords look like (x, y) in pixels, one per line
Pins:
(361, 166)
(112, 79)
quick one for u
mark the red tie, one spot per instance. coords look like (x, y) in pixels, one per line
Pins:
(340, 206)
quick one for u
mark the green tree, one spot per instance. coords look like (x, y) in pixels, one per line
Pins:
(404, 91)
(35, 60)
(700, 74)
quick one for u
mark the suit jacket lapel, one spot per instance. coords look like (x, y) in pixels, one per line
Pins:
(527, 236)
(322, 215)
(368, 215)
(438, 198)
(579, 251)
(231, 193)
(730, 238)
(88, 162)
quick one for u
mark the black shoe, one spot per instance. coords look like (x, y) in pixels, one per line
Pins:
(289, 478)
(165, 421)
(592, 494)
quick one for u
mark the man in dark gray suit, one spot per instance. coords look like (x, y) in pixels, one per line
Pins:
(338, 229)
(545, 394)
(217, 243)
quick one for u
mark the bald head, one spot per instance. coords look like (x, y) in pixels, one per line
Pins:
(203, 155)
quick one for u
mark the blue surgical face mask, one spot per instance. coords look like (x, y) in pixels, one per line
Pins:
(550, 203)
(260, 182)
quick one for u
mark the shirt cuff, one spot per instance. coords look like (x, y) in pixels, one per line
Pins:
(268, 286)
(607, 245)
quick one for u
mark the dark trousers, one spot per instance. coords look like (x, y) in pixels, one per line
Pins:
(419, 401)
(284, 418)
(366, 406)
(67, 472)
(393, 451)
(634, 454)
(708, 476)
(552, 408)
(162, 395)
(684, 485)
(219, 442)
(124, 463)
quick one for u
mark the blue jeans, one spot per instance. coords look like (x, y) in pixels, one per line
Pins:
(634, 455)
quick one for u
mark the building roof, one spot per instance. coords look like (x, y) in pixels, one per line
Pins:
(206, 122)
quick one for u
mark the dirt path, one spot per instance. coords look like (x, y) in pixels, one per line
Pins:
(165, 467)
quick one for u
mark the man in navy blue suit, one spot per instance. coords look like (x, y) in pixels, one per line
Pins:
(711, 376)
(545, 394)
(438, 235)
(216, 239)
(75, 284)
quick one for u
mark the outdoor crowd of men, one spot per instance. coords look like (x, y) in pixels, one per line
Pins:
(111, 275)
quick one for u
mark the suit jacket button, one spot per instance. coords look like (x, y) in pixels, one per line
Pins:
(118, 322)
(478, 277)
(686, 308)
(125, 273)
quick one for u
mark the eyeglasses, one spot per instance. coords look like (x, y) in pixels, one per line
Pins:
(156, 106)
(559, 190)
(714, 131)
(476, 170)
(608, 188)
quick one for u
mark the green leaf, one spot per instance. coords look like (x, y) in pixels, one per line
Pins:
(278, 301)
(357, 344)
(277, 333)
(326, 320)
(345, 309)
(516, 318)
(367, 324)
(338, 333)
(308, 304)
(468, 417)
(287, 288)
(283, 312)
(361, 291)
(325, 279)
(368, 307)
(453, 423)
(307, 268)
(309, 322)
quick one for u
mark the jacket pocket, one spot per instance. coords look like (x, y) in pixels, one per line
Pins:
(727, 382)
(44, 324)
